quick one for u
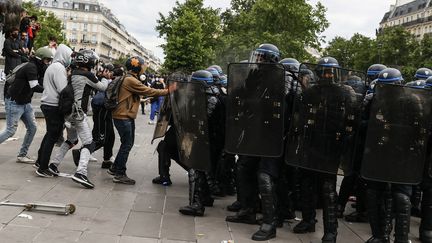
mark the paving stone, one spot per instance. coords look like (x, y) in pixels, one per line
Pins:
(39, 219)
(120, 200)
(79, 221)
(210, 229)
(18, 234)
(175, 241)
(147, 202)
(178, 227)
(56, 236)
(172, 204)
(130, 239)
(143, 224)
(88, 237)
(108, 221)
(8, 213)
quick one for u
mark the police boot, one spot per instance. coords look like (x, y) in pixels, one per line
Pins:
(307, 199)
(214, 186)
(206, 194)
(164, 163)
(373, 201)
(425, 229)
(195, 207)
(234, 207)
(329, 212)
(268, 198)
(415, 201)
(402, 206)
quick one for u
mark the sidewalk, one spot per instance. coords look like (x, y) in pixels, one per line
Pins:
(111, 212)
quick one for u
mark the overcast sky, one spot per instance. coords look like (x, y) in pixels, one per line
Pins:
(346, 17)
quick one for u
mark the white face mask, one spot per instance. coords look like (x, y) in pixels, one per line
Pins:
(143, 77)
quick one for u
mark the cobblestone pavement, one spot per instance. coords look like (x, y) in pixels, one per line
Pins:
(144, 212)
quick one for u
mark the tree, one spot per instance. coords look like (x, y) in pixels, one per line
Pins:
(356, 53)
(191, 32)
(51, 26)
(281, 22)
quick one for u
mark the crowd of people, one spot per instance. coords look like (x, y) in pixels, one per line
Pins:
(334, 120)
(276, 137)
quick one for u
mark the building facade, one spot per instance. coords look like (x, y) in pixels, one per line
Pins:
(414, 16)
(88, 24)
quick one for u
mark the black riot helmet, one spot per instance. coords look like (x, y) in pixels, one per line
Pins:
(390, 76)
(86, 58)
(356, 83)
(374, 70)
(108, 66)
(265, 53)
(203, 76)
(327, 69)
(306, 77)
(291, 64)
(423, 73)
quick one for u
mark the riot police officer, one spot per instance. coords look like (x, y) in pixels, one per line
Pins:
(381, 196)
(267, 168)
(320, 165)
(199, 191)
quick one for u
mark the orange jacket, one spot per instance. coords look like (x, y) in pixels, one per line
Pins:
(129, 97)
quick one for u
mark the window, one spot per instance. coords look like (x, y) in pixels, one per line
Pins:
(65, 5)
(54, 3)
(65, 15)
(46, 3)
(76, 6)
(87, 7)
(85, 26)
(94, 39)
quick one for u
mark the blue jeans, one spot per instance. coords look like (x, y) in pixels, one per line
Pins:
(14, 113)
(126, 130)
(155, 106)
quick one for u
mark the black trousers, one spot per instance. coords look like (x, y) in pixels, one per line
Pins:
(103, 130)
(54, 121)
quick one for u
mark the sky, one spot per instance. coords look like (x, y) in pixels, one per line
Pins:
(346, 17)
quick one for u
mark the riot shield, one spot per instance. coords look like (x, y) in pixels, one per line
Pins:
(322, 124)
(163, 120)
(397, 135)
(255, 109)
(189, 111)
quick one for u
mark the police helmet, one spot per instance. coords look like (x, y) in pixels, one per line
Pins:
(291, 64)
(390, 76)
(326, 69)
(218, 68)
(215, 73)
(428, 83)
(265, 53)
(224, 80)
(423, 73)
(374, 70)
(203, 76)
(108, 66)
(418, 84)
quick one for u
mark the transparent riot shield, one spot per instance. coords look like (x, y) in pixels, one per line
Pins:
(322, 127)
(397, 134)
(189, 111)
(163, 120)
(255, 109)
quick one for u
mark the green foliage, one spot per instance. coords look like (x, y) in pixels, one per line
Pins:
(50, 25)
(280, 22)
(190, 31)
(393, 47)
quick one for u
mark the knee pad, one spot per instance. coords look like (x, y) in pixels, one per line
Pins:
(91, 147)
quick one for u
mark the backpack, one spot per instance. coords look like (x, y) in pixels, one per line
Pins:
(10, 78)
(112, 93)
(66, 99)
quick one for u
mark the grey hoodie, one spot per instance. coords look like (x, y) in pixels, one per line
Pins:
(55, 78)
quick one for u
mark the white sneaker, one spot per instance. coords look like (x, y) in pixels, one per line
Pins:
(151, 123)
(25, 159)
(92, 158)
